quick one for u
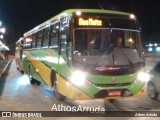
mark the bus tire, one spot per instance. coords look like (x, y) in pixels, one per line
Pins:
(32, 81)
(38, 83)
(151, 90)
(22, 72)
(58, 96)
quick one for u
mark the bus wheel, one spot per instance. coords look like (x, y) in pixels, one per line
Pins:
(152, 93)
(32, 80)
(57, 94)
(22, 72)
(38, 83)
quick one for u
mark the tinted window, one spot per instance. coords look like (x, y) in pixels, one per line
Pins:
(46, 32)
(39, 38)
(28, 42)
(54, 34)
(34, 40)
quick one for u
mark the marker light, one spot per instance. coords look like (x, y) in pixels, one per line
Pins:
(132, 16)
(78, 13)
(78, 78)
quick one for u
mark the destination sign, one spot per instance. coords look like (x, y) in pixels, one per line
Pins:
(89, 22)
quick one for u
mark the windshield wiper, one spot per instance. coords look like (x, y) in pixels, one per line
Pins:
(130, 62)
(111, 49)
(108, 50)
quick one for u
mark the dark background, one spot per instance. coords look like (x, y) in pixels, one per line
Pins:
(19, 16)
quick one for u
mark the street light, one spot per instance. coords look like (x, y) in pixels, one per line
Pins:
(158, 50)
(2, 30)
(1, 36)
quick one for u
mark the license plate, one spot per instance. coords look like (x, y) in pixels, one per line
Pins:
(114, 93)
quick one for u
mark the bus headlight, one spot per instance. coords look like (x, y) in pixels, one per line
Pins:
(78, 78)
(143, 77)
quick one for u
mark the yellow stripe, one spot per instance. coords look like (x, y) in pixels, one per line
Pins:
(41, 68)
(141, 92)
(68, 90)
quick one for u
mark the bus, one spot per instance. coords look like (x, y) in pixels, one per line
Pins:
(18, 54)
(75, 53)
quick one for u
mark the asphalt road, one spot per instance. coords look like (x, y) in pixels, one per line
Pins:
(17, 94)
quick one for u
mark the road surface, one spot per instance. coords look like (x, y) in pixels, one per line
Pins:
(17, 94)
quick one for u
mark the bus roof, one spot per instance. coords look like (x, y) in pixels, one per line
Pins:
(70, 12)
(19, 40)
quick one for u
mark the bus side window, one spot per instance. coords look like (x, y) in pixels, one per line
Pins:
(54, 35)
(39, 39)
(34, 40)
(63, 37)
(63, 42)
(28, 42)
(46, 37)
(24, 45)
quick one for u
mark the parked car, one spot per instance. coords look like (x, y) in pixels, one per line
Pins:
(153, 87)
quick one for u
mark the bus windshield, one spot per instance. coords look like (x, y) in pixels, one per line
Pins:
(99, 47)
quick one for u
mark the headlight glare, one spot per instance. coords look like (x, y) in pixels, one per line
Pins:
(144, 77)
(78, 78)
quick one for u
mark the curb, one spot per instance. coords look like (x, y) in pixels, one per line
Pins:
(5, 67)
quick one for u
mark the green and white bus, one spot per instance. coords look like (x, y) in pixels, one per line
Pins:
(18, 54)
(75, 53)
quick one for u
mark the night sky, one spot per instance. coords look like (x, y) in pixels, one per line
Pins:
(19, 16)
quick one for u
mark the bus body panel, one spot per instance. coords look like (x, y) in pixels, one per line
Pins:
(70, 91)
(41, 71)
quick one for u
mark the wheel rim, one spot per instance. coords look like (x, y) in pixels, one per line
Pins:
(151, 91)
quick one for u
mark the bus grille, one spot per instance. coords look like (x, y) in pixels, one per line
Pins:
(112, 85)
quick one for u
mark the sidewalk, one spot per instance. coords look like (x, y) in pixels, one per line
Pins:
(3, 65)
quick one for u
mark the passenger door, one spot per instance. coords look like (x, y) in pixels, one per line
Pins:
(63, 44)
